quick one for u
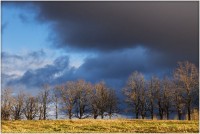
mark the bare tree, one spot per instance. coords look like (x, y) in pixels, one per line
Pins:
(18, 105)
(94, 103)
(133, 90)
(153, 87)
(187, 74)
(112, 102)
(55, 100)
(31, 107)
(160, 103)
(102, 97)
(44, 100)
(68, 96)
(40, 109)
(82, 97)
(178, 99)
(6, 103)
(167, 95)
(143, 102)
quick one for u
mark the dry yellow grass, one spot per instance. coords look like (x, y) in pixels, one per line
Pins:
(91, 125)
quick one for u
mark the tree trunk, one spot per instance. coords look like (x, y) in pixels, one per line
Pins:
(161, 117)
(110, 115)
(95, 116)
(80, 113)
(188, 109)
(101, 115)
(189, 104)
(136, 115)
(179, 114)
(44, 114)
(152, 116)
(167, 115)
(95, 113)
(143, 116)
(152, 112)
(167, 112)
(70, 114)
(161, 113)
(56, 111)
(160, 110)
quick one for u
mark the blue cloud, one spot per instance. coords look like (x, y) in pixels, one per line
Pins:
(114, 68)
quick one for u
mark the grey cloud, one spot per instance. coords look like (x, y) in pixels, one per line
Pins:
(107, 26)
(114, 68)
(23, 61)
(15, 65)
(6, 56)
(46, 74)
(32, 54)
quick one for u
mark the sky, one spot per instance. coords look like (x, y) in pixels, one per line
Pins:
(54, 42)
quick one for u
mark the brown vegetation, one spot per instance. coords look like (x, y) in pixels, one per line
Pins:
(91, 126)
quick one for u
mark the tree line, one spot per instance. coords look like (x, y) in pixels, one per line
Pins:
(80, 99)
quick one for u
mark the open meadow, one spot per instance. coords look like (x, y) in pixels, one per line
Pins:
(91, 125)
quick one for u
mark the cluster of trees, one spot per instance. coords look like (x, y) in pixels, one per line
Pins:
(81, 99)
(78, 99)
(24, 105)
(179, 93)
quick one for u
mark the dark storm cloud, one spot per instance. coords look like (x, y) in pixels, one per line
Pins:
(119, 64)
(169, 27)
(116, 66)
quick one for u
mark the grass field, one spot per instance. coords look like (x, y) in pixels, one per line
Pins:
(91, 125)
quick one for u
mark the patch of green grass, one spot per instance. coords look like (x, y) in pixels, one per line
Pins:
(91, 125)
